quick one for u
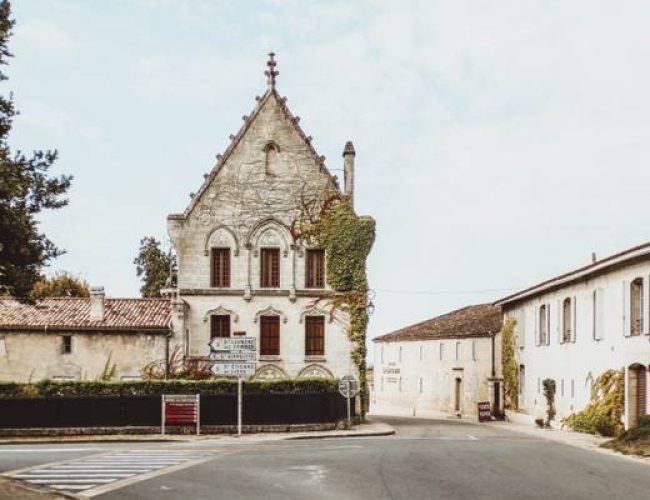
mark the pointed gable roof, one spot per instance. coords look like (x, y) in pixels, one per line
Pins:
(271, 93)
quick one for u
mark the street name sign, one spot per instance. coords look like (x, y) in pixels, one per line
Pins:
(233, 356)
(233, 344)
(233, 369)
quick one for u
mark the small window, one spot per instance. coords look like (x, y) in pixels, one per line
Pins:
(566, 320)
(315, 277)
(636, 305)
(66, 344)
(314, 336)
(219, 326)
(270, 268)
(220, 268)
(442, 351)
(270, 335)
(271, 151)
(457, 351)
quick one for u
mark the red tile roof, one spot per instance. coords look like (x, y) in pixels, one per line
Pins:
(471, 321)
(73, 313)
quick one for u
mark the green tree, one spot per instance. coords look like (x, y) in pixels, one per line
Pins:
(25, 190)
(62, 284)
(155, 267)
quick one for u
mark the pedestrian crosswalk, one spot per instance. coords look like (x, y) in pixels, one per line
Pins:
(99, 470)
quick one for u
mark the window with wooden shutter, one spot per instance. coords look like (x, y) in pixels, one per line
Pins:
(567, 322)
(66, 344)
(636, 306)
(314, 336)
(219, 326)
(220, 268)
(269, 335)
(270, 268)
(315, 269)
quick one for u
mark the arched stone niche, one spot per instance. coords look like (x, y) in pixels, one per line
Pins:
(270, 372)
(221, 236)
(269, 232)
(315, 371)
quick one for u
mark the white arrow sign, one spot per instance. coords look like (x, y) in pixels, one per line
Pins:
(233, 356)
(233, 369)
(233, 344)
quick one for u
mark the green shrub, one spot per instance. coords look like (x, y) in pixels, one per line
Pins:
(52, 389)
(644, 421)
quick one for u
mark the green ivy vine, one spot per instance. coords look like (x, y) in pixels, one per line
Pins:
(347, 240)
(509, 363)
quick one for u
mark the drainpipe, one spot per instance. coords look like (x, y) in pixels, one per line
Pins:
(494, 373)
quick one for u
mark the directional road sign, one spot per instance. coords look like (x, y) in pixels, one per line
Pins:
(233, 344)
(233, 369)
(233, 356)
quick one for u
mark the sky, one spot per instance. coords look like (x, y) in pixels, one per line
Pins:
(499, 142)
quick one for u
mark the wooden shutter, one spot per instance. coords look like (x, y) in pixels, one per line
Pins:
(315, 336)
(646, 305)
(270, 335)
(599, 327)
(220, 268)
(315, 277)
(574, 318)
(219, 326)
(560, 321)
(627, 324)
(548, 324)
(538, 340)
(270, 268)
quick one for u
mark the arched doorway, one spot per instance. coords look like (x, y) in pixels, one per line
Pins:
(636, 394)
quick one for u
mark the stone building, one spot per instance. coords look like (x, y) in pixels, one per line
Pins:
(241, 268)
(573, 327)
(443, 365)
(70, 338)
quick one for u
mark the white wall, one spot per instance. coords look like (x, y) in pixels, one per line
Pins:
(575, 364)
(412, 379)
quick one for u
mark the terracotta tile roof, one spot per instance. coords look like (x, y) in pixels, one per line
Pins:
(471, 321)
(72, 313)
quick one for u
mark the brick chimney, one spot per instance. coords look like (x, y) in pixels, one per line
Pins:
(96, 303)
(348, 171)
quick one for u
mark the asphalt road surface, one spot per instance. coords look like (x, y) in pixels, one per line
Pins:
(426, 459)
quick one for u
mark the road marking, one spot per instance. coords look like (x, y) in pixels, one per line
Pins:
(47, 450)
(96, 474)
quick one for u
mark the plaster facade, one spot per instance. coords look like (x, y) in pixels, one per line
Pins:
(595, 335)
(423, 377)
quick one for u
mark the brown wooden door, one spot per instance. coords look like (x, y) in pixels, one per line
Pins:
(641, 378)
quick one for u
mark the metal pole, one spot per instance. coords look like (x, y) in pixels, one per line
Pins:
(348, 404)
(162, 414)
(239, 406)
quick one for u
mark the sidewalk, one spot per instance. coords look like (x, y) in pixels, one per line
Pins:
(568, 437)
(371, 428)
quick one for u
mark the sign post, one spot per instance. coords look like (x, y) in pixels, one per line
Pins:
(348, 388)
(484, 412)
(234, 357)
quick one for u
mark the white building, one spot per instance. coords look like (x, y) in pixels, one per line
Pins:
(443, 365)
(242, 270)
(574, 327)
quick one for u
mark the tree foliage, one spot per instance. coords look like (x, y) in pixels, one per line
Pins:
(26, 189)
(155, 267)
(509, 363)
(62, 284)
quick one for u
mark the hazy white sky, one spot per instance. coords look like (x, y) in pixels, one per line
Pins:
(498, 142)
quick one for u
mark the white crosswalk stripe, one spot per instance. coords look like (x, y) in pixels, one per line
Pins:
(94, 471)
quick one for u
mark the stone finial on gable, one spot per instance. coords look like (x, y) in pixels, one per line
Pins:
(271, 73)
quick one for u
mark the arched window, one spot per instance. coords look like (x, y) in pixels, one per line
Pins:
(566, 320)
(636, 306)
(271, 151)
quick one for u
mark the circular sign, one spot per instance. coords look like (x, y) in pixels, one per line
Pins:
(348, 386)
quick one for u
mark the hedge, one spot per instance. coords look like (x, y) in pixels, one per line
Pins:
(53, 389)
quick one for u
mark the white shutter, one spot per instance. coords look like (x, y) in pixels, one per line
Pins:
(522, 327)
(599, 327)
(536, 323)
(627, 331)
(646, 305)
(560, 322)
(548, 324)
(574, 318)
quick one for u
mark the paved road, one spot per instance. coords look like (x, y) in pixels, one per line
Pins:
(427, 459)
